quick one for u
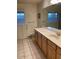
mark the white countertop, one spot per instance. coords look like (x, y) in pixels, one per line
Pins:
(52, 34)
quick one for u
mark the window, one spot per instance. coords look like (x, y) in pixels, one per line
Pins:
(20, 17)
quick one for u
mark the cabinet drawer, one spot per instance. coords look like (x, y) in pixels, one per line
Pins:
(51, 53)
(51, 44)
(59, 50)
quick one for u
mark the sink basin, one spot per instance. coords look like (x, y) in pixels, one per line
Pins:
(54, 32)
(58, 33)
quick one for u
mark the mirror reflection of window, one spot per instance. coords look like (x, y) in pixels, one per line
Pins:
(53, 19)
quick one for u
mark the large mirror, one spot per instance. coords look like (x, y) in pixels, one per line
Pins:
(52, 16)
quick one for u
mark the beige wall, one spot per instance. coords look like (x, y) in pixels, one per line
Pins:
(42, 22)
(46, 3)
(19, 31)
(20, 6)
(30, 20)
(20, 27)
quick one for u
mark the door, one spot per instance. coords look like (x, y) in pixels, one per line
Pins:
(51, 52)
(58, 56)
(44, 45)
(39, 39)
(36, 36)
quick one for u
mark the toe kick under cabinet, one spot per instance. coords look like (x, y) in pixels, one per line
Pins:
(50, 49)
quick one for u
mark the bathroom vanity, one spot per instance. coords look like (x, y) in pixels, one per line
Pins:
(49, 41)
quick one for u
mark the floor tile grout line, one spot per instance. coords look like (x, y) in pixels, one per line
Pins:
(23, 49)
(20, 43)
(30, 48)
(32, 54)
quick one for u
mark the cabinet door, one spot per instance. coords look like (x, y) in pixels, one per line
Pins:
(39, 40)
(58, 53)
(36, 36)
(58, 56)
(51, 52)
(44, 45)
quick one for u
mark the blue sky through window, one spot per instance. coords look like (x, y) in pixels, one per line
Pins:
(20, 17)
(52, 17)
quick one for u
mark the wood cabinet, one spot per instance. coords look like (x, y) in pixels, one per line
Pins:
(51, 50)
(39, 40)
(51, 53)
(44, 45)
(58, 56)
(36, 36)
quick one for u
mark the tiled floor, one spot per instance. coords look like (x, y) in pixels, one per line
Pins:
(26, 49)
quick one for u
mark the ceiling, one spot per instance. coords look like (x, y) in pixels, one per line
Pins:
(29, 1)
